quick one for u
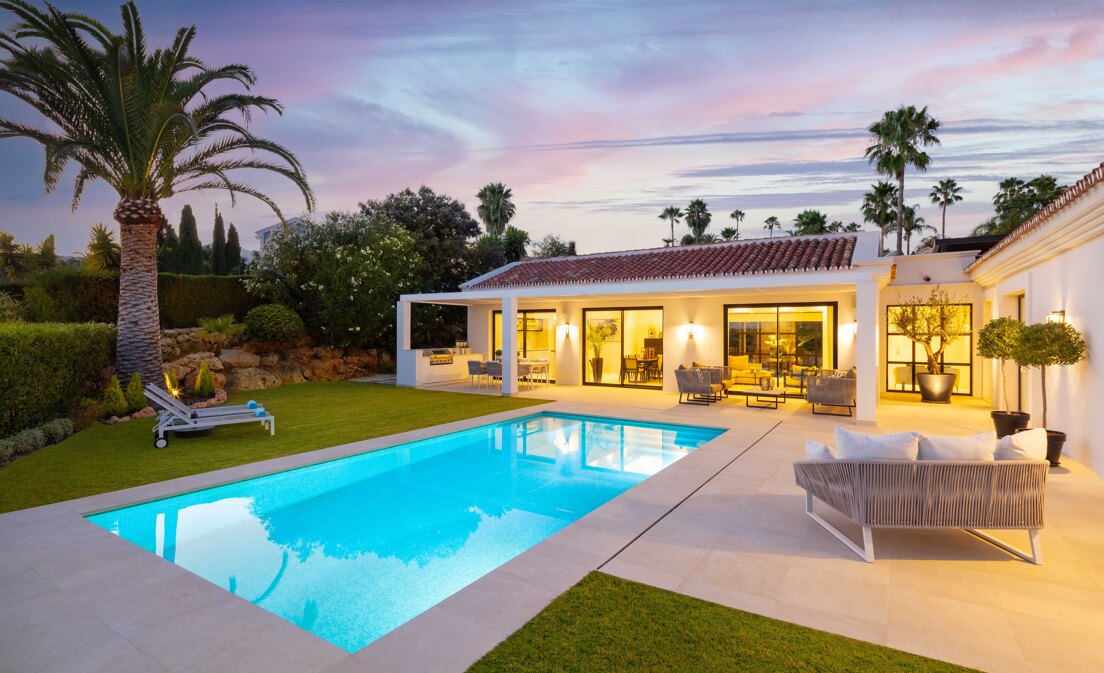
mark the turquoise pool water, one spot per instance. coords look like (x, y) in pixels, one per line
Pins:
(352, 548)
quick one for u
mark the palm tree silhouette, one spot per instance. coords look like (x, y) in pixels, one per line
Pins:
(673, 214)
(737, 215)
(149, 124)
(698, 218)
(878, 206)
(897, 138)
(772, 223)
(946, 193)
(495, 208)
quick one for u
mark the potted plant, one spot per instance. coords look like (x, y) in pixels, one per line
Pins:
(997, 341)
(934, 322)
(597, 334)
(1044, 345)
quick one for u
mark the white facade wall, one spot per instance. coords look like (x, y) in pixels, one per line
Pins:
(1072, 281)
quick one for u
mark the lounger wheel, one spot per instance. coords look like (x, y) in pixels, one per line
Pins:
(160, 442)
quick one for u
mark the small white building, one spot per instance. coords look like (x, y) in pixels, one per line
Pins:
(295, 225)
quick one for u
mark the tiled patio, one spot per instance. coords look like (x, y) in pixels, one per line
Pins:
(725, 524)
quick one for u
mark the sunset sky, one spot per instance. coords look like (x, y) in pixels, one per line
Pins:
(599, 114)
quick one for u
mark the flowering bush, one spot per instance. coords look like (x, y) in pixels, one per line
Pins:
(342, 275)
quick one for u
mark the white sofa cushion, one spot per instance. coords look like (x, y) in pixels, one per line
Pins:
(1026, 445)
(982, 446)
(858, 446)
(815, 450)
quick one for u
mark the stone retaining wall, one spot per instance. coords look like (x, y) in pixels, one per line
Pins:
(238, 363)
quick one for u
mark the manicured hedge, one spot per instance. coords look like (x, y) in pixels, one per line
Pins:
(45, 367)
(66, 294)
(186, 299)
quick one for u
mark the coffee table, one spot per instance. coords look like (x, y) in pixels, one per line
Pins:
(766, 399)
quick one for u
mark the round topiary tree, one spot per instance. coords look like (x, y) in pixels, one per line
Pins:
(1048, 344)
(273, 322)
(997, 341)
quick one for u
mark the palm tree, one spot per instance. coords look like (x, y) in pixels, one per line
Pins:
(149, 124)
(913, 224)
(514, 241)
(897, 138)
(772, 223)
(673, 214)
(495, 207)
(15, 258)
(737, 215)
(103, 252)
(878, 206)
(730, 234)
(946, 193)
(810, 222)
(698, 218)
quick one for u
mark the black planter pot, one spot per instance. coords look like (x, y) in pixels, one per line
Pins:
(1009, 422)
(596, 369)
(936, 388)
(1055, 441)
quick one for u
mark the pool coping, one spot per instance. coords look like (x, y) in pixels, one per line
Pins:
(121, 585)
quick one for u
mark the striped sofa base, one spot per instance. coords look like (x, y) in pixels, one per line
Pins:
(970, 495)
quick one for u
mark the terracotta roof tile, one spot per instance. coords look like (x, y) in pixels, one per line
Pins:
(765, 255)
(1090, 180)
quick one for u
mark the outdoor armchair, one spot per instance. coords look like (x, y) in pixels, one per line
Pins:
(697, 385)
(829, 389)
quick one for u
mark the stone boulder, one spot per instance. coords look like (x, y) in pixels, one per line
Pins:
(235, 358)
(290, 372)
(252, 378)
(270, 359)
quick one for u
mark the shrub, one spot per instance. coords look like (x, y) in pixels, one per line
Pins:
(68, 294)
(343, 276)
(224, 324)
(44, 369)
(135, 398)
(204, 383)
(7, 450)
(10, 309)
(29, 441)
(113, 398)
(274, 322)
(57, 430)
(185, 299)
(88, 411)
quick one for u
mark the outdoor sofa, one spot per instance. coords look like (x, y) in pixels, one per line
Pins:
(909, 481)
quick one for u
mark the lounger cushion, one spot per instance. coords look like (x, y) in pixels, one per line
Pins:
(815, 450)
(982, 446)
(857, 446)
(1026, 445)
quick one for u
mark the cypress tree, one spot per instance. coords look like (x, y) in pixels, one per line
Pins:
(233, 251)
(190, 250)
(167, 244)
(47, 253)
(218, 247)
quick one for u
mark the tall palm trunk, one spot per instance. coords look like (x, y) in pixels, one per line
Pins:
(672, 232)
(900, 210)
(139, 338)
(943, 234)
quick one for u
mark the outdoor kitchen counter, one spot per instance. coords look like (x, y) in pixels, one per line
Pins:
(429, 374)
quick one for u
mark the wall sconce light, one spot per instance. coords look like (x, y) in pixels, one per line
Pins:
(690, 332)
(855, 328)
(1056, 316)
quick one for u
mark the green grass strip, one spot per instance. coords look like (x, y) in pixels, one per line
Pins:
(606, 624)
(309, 416)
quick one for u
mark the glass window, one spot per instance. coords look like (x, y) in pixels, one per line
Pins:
(781, 341)
(536, 337)
(904, 358)
(624, 347)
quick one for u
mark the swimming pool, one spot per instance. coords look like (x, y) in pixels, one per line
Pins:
(352, 548)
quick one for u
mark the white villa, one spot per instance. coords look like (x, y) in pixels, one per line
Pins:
(783, 304)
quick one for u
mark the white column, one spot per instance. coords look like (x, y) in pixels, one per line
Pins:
(509, 346)
(866, 351)
(406, 365)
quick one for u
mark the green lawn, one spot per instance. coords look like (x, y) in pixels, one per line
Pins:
(309, 416)
(607, 624)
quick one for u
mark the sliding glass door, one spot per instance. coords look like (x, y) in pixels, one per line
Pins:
(623, 347)
(536, 337)
(781, 340)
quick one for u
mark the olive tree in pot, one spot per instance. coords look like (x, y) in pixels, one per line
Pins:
(934, 322)
(598, 332)
(1044, 345)
(997, 341)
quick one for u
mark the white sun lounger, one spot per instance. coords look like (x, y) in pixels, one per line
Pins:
(178, 417)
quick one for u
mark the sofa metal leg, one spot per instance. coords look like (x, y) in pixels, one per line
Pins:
(1036, 555)
(866, 552)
